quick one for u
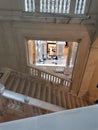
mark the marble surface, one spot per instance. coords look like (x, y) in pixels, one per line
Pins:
(85, 118)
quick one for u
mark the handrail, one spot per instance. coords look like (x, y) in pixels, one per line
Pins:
(50, 76)
(29, 100)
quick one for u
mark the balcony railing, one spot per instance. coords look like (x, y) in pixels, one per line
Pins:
(50, 76)
(56, 6)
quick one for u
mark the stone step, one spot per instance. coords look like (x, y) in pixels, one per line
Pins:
(10, 82)
(59, 99)
(40, 89)
(15, 84)
(63, 98)
(49, 94)
(53, 98)
(32, 90)
(27, 88)
(20, 86)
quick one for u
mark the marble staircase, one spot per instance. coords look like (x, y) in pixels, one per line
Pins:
(48, 96)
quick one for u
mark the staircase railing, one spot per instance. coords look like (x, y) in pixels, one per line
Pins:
(50, 76)
(29, 100)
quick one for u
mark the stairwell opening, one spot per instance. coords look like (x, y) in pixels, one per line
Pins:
(58, 56)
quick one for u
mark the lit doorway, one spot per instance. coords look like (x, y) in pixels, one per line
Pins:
(59, 55)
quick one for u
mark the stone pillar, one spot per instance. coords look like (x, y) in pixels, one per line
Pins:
(60, 49)
(74, 52)
(44, 48)
(79, 68)
(69, 57)
(31, 52)
(41, 49)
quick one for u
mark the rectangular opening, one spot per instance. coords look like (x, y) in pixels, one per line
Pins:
(56, 55)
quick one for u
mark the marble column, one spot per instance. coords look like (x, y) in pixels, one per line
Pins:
(69, 57)
(60, 49)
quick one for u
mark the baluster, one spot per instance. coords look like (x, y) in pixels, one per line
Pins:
(62, 81)
(59, 80)
(30, 6)
(56, 7)
(26, 5)
(45, 6)
(35, 72)
(72, 6)
(48, 6)
(44, 76)
(39, 74)
(48, 77)
(68, 84)
(51, 78)
(76, 6)
(79, 10)
(40, 5)
(56, 80)
(60, 8)
(33, 5)
(83, 6)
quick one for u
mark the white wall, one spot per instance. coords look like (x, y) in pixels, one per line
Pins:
(76, 119)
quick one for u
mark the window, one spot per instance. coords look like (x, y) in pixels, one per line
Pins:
(80, 6)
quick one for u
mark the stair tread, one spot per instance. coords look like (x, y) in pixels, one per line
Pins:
(63, 99)
(81, 102)
(59, 98)
(15, 84)
(8, 80)
(69, 105)
(77, 102)
(53, 100)
(38, 92)
(21, 86)
(27, 88)
(9, 84)
(32, 90)
(49, 94)
(73, 102)
(44, 93)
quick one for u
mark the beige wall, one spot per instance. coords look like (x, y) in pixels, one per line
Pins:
(13, 37)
